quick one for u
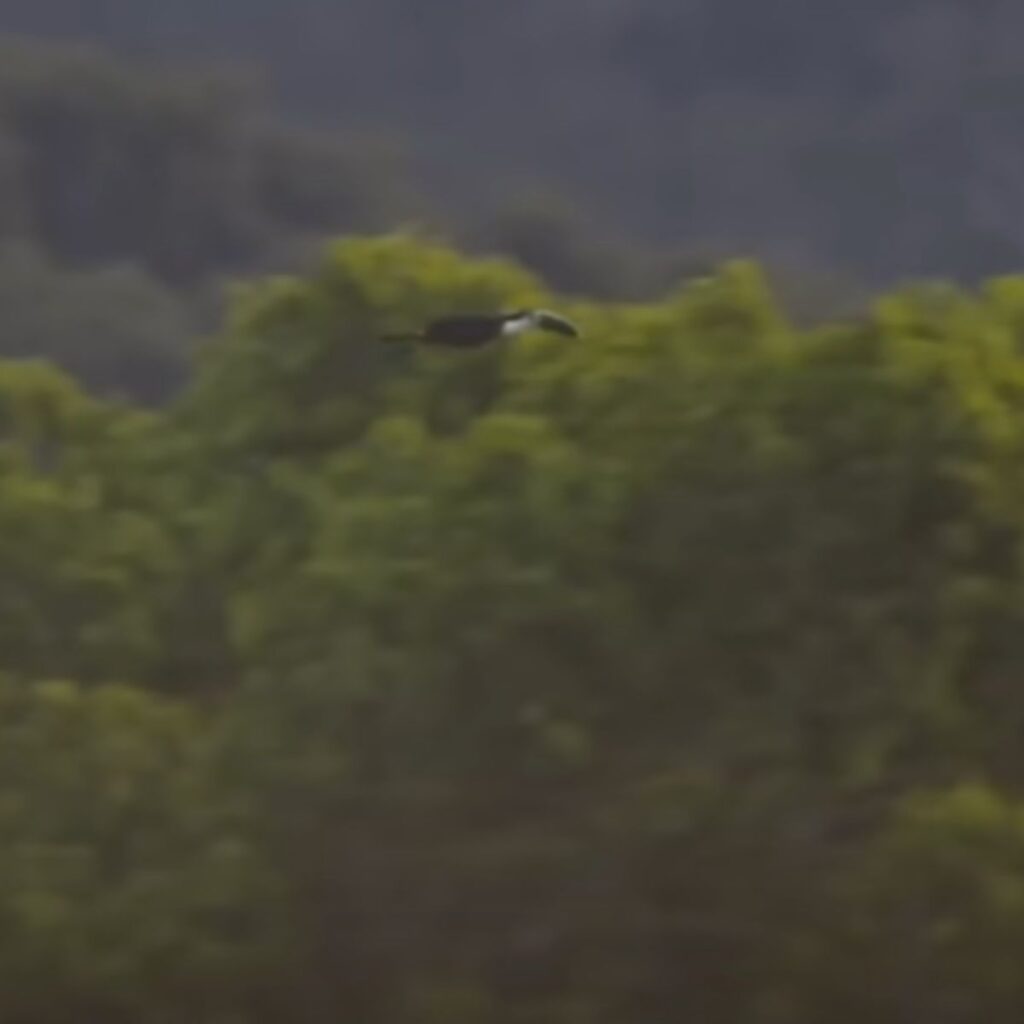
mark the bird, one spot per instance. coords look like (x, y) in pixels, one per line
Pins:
(474, 330)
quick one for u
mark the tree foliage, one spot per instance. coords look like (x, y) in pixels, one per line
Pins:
(669, 668)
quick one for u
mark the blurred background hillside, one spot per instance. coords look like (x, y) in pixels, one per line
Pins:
(759, 127)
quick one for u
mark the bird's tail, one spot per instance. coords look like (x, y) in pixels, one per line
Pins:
(403, 336)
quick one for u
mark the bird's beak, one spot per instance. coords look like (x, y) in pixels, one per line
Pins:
(558, 325)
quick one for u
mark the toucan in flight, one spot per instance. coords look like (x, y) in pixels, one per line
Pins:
(472, 330)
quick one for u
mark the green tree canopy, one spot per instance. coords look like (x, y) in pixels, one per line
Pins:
(568, 680)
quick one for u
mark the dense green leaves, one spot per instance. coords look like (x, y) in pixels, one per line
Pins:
(567, 681)
(131, 889)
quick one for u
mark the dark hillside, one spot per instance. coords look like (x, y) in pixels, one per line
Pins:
(877, 137)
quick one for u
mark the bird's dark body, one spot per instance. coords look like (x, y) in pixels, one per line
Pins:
(473, 330)
(469, 331)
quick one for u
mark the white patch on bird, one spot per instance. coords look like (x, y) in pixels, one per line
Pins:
(520, 324)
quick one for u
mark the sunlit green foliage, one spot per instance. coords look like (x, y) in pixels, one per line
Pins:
(569, 680)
